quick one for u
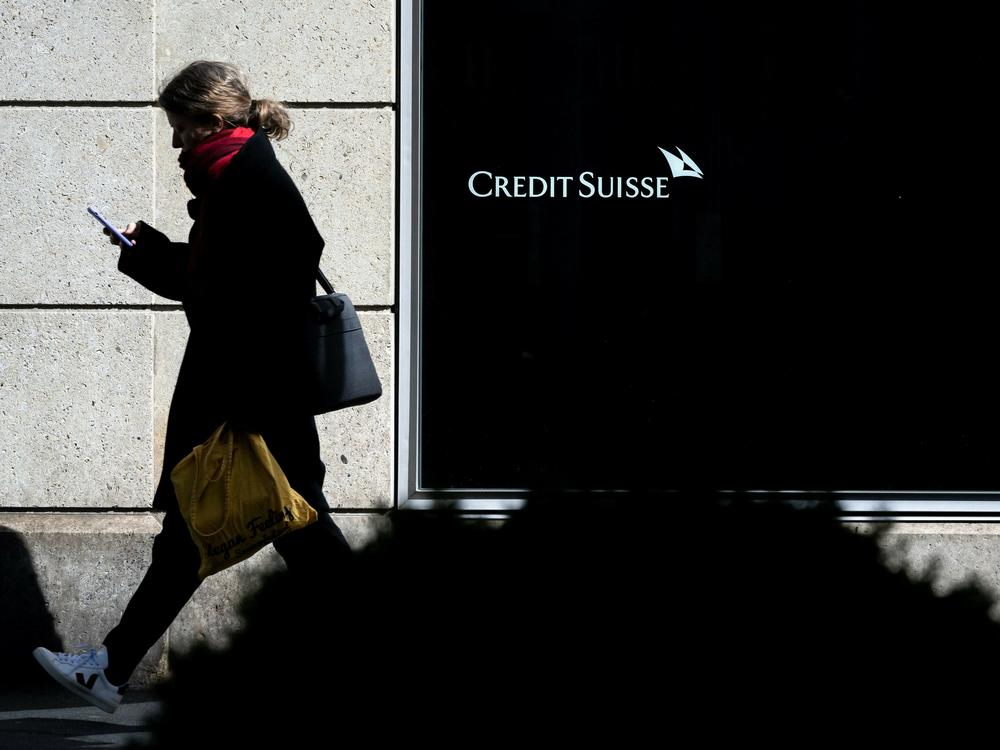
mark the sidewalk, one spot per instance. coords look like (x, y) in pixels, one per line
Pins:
(51, 718)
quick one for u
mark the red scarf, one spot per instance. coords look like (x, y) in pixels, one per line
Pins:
(204, 164)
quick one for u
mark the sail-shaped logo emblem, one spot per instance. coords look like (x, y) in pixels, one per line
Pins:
(679, 165)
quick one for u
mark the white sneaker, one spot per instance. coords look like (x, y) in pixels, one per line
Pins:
(82, 672)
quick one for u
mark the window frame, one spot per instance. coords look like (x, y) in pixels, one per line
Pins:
(970, 506)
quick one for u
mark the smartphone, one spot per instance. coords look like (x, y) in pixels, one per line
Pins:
(121, 237)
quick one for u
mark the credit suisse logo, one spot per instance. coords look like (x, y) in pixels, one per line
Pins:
(586, 184)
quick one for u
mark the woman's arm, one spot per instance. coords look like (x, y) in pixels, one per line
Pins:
(156, 262)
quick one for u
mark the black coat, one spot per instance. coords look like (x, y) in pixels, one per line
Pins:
(246, 296)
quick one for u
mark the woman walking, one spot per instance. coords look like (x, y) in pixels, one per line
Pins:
(245, 278)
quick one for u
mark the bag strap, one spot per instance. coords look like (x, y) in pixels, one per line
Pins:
(225, 468)
(324, 282)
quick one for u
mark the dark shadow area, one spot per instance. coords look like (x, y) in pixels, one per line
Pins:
(52, 695)
(584, 618)
(58, 734)
(25, 621)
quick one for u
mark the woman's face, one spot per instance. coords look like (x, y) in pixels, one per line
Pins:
(188, 132)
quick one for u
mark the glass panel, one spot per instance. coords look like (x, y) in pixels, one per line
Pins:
(798, 294)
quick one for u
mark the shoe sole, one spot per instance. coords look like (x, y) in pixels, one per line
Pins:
(40, 656)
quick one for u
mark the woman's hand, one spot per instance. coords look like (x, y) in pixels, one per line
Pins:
(131, 232)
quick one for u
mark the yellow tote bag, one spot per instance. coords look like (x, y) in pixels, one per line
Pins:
(235, 498)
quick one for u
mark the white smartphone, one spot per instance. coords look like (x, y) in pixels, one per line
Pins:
(121, 237)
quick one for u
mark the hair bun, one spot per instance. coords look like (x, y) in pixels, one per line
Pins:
(205, 88)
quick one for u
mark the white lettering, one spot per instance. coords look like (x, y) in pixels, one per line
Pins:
(473, 190)
(591, 185)
(611, 188)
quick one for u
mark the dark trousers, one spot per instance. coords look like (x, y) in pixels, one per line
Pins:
(172, 579)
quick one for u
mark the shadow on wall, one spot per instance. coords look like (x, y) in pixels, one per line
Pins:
(582, 619)
(25, 621)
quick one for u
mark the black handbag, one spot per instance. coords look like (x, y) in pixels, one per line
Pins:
(341, 370)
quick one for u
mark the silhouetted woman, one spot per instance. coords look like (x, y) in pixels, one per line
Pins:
(245, 278)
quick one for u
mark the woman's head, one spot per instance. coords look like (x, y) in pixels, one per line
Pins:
(212, 95)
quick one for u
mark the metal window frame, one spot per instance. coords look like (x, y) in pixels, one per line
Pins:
(482, 503)
(409, 495)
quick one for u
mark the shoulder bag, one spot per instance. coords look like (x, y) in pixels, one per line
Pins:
(341, 371)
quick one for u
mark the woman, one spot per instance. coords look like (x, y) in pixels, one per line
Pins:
(245, 278)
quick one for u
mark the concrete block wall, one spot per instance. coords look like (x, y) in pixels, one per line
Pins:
(950, 555)
(88, 358)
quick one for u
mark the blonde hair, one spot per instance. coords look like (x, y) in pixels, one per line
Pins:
(205, 88)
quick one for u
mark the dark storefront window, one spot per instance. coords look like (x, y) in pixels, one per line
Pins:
(815, 310)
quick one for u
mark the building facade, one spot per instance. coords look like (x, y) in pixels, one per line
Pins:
(89, 358)
(522, 199)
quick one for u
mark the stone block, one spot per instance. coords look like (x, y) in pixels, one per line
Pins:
(172, 194)
(949, 555)
(211, 617)
(344, 166)
(86, 50)
(75, 416)
(357, 443)
(67, 579)
(341, 51)
(170, 333)
(342, 162)
(57, 162)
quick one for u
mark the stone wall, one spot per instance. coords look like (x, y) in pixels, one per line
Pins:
(88, 358)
